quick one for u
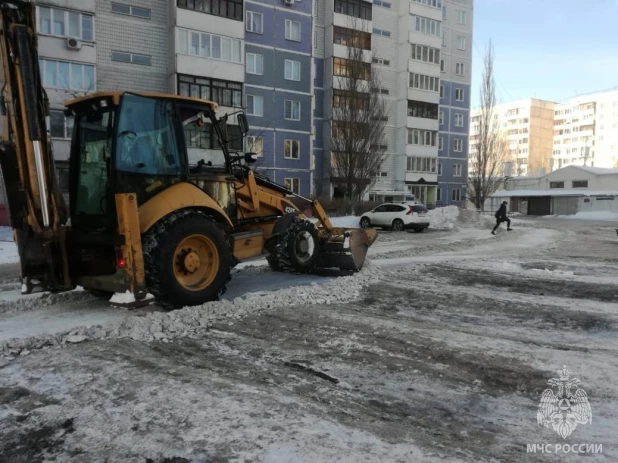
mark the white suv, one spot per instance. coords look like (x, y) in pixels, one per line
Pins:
(398, 216)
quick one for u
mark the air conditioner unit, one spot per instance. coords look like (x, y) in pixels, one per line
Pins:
(288, 2)
(74, 44)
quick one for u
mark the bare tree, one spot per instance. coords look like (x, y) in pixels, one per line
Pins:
(486, 162)
(359, 117)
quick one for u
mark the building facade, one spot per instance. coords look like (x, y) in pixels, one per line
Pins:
(527, 126)
(255, 55)
(455, 99)
(566, 191)
(281, 61)
(422, 71)
(586, 131)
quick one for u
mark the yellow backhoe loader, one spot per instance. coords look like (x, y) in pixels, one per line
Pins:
(142, 218)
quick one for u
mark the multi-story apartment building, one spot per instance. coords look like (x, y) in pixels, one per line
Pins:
(407, 51)
(586, 131)
(455, 98)
(527, 126)
(255, 55)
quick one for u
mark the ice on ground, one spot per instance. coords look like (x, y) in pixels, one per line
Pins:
(593, 215)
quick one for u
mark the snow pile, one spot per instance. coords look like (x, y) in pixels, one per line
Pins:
(597, 215)
(164, 326)
(443, 218)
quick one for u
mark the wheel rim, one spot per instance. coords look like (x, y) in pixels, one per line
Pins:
(196, 262)
(304, 246)
(398, 225)
(364, 223)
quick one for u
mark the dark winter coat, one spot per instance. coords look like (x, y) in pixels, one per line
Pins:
(501, 214)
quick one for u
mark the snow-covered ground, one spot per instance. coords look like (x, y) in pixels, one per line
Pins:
(439, 350)
(597, 215)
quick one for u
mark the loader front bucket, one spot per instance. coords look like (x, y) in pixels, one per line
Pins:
(347, 248)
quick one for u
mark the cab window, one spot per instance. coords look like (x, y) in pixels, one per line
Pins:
(146, 142)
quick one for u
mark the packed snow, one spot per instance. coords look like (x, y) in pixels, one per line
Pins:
(593, 215)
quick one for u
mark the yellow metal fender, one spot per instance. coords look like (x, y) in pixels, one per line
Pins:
(177, 197)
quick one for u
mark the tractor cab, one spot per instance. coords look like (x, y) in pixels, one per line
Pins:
(144, 143)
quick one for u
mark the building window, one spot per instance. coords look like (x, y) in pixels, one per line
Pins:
(556, 184)
(461, 17)
(458, 145)
(425, 25)
(461, 42)
(254, 22)
(381, 32)
(291, 149)
(442, 68)
(254, 63)
(292, 70)
(580, 183)
(315, 38)
(441, 118)
(255, 105)
(422, 137)
(440, 167)
(292, 184)
(351, 100)
(425, 53)
(421, 164)
(423, 82)
(231, 9)
(382, 4)
(352, 38)
(126, 57)
(222, 92)
(459, 94)
(435, 3)
(255, 144)
(443, 13)
(348, 68)
(132, 10)
(292, 30)
(60, 125)
(441, 91)
(292, 110)
(458, 120)
(422, 109)
(355, 8)
(456, 170)
(459, 69)
(444, 38)
(66, 75)
(64, 23)
(440, 144)
(209, 46)
(383, 62)
(456, 194)
(439, 194)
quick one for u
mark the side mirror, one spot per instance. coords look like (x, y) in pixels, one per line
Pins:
(250, 157)
(243, 123)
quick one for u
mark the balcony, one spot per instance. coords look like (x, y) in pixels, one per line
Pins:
(422, 123)
(420, 150)
(342, 51)
(417, 176)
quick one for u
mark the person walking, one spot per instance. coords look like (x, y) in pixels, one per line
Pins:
(501, 217)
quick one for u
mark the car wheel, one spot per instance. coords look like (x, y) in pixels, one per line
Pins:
(398, 225)
(365, 222)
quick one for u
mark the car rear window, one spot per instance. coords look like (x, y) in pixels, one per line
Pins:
(420, 209)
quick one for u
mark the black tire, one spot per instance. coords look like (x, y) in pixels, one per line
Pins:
(398, 225)
(365, 222)
(289, 255)
(160, 244)
(99, 293)
(273, 262)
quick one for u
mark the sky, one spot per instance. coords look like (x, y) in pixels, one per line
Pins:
(546, 49)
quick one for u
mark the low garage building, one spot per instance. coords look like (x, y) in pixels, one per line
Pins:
(566, 191)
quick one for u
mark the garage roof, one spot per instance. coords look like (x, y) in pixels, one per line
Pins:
(553, 192)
